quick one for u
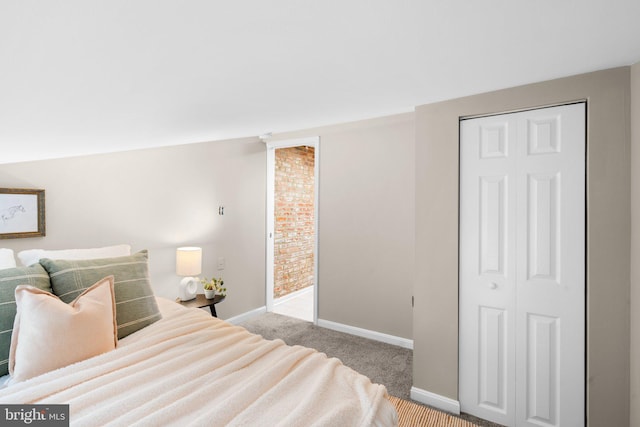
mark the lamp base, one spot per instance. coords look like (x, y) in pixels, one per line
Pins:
(187, 288)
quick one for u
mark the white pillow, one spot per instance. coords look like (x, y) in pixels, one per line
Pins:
(6, 259)
(32, 256)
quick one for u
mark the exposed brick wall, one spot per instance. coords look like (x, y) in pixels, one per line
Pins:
(294, 227)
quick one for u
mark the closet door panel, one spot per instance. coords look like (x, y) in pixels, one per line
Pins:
(522, 252)
(487, 278)
(550, 290)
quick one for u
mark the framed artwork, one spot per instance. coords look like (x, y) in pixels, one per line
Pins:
(21, 213)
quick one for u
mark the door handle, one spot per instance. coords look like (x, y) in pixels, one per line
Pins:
(493, 285)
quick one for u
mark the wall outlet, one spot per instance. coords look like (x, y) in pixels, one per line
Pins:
(221, 263)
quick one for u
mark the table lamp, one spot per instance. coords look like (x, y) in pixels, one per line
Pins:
(189, 264)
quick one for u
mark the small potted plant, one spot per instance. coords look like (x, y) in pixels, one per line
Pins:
(213, 287)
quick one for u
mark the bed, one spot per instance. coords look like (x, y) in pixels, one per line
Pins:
(189, 368)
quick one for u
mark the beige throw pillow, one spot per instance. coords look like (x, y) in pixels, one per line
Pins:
(49, 334)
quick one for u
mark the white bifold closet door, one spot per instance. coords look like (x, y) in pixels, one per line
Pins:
(522, 267)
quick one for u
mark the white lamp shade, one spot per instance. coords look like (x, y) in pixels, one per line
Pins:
(188, 261)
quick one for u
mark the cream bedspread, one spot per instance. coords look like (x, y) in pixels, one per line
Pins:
(192, 369)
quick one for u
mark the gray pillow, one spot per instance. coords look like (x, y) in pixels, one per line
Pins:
(10, 278)
(136, 305)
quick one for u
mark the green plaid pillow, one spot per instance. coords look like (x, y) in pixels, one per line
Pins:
(136, 305)
(10, 278)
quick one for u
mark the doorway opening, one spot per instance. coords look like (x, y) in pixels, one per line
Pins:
(292, 228)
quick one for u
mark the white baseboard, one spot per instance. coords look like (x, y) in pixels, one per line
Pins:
(353, 330)
(437, 401)
(246, 316)
(365, 333)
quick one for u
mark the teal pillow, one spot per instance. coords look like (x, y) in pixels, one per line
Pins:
(10, 278)
(136, 305)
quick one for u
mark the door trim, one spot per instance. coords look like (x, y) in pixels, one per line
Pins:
(314, 142)
(520, 110)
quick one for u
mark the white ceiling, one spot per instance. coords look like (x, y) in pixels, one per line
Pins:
(88, 76)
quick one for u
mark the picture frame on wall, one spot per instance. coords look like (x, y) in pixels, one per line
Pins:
(22, 213)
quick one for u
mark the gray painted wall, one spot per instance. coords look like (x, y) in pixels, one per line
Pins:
(159, 199)
(163, 198)
(608, 230)
(366, 223)
(635, 245)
